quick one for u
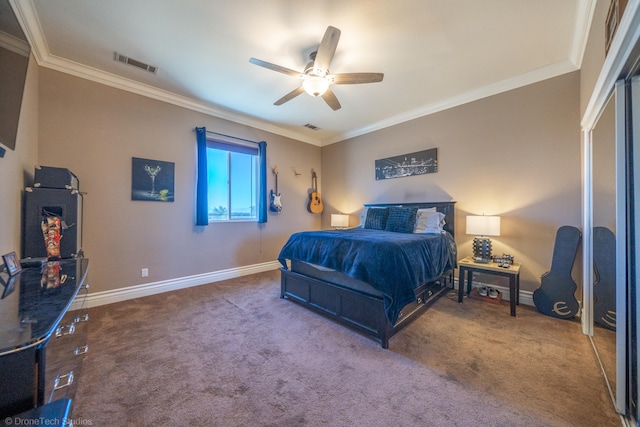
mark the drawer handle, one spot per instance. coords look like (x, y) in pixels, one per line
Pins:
(61, 330)
(69, 380)
(82, 318)
(86, 286)
(81, 350)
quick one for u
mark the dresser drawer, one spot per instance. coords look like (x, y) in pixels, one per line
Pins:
(65, 353)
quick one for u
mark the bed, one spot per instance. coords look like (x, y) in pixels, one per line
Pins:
(378, 277)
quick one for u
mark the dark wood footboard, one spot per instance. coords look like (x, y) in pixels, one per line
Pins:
(357, 310)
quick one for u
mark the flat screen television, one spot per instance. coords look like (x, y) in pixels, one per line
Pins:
(14, 61)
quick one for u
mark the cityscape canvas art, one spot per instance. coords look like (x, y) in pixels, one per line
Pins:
(417, 163)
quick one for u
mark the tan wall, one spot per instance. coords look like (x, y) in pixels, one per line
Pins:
(95, 130)
(533, 175)
(515, 154)
(16, 168)
(594, 54)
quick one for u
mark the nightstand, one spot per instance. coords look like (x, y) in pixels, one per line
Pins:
(468, 266)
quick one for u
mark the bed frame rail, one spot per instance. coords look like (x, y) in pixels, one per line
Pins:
(356, 310)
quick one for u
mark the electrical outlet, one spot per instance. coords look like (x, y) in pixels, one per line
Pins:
(145, 272)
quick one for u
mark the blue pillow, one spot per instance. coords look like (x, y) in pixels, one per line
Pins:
(401, 220)
(376, 218)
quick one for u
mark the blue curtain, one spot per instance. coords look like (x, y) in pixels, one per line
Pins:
(202, 198)
(262, 198)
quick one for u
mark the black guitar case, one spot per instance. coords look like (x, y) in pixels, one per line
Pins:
(556, 295)
(604, 286)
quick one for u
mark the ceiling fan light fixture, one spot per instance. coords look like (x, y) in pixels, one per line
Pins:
(316, 79)
(315, 85)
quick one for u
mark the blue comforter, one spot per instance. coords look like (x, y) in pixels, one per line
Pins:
(393, 263)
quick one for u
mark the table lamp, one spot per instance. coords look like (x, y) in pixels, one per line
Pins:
(482, 226)
(339, 221)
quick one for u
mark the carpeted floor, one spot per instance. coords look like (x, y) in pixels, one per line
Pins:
(233, 353)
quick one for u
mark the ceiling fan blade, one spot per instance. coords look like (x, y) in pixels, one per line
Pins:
(275, 67)
(289, 96)
(355, 78)
(326, 51)
(330, 98)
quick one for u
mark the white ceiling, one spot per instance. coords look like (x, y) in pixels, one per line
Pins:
(435, 54)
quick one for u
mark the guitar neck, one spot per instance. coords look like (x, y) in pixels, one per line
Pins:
(275, 172)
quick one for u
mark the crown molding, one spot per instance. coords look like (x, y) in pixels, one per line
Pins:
(584, 18)
(28, 20)
(27, 17)
(525, 79)
(25, 13)
(14, 44)
(108, 79)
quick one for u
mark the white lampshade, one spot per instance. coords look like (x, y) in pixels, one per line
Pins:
(339, 220)
(483, 225)
(315, 85)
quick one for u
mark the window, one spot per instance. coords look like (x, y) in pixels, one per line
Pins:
(232, 181)
(232, 185)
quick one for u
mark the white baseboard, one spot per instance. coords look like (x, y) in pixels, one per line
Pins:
(526, 297)
(117, 295)
(146, 289)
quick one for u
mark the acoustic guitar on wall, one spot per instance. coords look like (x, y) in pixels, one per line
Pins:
(315, 202)
(276, 202)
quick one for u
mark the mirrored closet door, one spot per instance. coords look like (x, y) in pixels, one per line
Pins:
(611, 222)
(615, 187)
(603, 240)
(633, 112)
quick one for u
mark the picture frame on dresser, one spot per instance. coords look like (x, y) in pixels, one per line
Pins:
(9, 286)
(11, 263)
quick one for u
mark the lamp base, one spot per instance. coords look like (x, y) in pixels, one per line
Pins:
(482, 250)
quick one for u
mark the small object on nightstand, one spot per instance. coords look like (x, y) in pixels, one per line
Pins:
(504, 260)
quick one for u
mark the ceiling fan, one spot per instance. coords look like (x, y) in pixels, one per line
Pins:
(316, 79)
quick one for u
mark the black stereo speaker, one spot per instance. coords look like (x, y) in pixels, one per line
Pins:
(50, 177)
(42, 202)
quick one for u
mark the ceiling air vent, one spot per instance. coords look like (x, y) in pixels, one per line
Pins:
(126, 60)
(312, 127)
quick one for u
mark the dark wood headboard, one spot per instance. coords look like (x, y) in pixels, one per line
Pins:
(447, 208)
